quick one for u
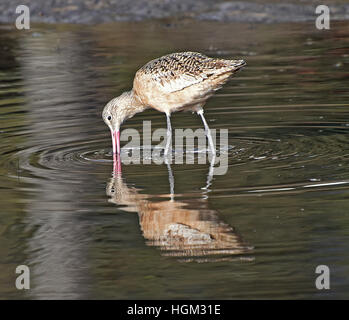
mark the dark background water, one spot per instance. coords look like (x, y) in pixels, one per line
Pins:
(282, 207)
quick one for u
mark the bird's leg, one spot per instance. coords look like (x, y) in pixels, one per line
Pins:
(170, 179)
(210, 173)
(169, 134)
(208, 132)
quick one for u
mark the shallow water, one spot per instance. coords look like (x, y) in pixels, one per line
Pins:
(259, 231)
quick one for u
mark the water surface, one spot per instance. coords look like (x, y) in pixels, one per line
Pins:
(259, 231)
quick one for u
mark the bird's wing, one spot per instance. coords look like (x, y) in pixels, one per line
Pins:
(177, 71)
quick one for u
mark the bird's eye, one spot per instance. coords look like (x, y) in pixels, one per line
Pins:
(109, 118)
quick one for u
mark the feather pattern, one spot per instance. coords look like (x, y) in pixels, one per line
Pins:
(177, 71)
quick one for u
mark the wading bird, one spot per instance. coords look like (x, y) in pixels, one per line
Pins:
(175, 82)
(184, 228)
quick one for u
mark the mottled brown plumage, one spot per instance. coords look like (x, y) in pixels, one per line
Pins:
(175, 82)
(182, 80)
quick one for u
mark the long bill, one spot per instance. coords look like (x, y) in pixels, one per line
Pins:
(115, 137)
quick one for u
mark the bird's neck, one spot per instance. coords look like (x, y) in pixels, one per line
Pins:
(135, 103)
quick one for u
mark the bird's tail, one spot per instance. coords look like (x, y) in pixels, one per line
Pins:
(236, 64)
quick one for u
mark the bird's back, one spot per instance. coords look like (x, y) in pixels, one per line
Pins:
(182, 78)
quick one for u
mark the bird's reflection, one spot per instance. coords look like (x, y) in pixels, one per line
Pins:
(186, 229)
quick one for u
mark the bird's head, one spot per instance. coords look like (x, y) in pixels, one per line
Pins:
(116, 112)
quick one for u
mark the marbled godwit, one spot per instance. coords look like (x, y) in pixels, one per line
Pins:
(186, 229)
(175, 82)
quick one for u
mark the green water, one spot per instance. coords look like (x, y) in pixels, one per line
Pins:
(282, 206)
